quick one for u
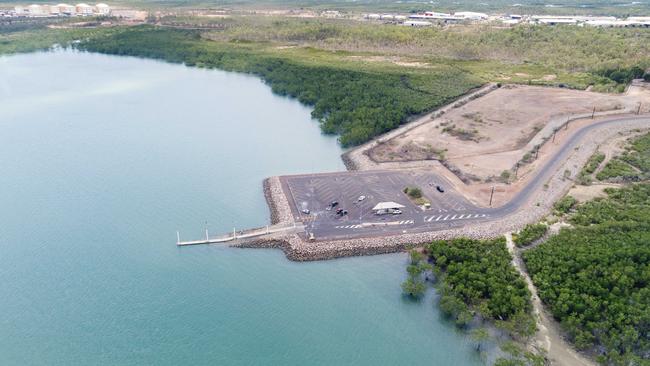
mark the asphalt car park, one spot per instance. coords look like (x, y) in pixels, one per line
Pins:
(315, 193)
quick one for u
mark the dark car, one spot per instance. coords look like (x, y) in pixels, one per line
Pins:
(334, 204)
(440, 189)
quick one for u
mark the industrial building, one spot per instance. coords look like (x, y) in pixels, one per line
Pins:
(36, 10)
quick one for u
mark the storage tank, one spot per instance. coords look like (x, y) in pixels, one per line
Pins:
(84, 9)
(102, 9)
(35, 10)
(66, 9)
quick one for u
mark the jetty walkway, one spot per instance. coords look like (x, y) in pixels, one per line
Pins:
(268, 232)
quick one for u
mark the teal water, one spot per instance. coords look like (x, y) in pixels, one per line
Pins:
(103, 158)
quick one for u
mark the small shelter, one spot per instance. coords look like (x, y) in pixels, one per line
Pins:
(386, 207)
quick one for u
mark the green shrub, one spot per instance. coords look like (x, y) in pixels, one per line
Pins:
(594, 162)
(564, 205)
(413, 192)
(529, 234)
(617, 168)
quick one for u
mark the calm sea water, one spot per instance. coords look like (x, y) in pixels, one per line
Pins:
(103, 158)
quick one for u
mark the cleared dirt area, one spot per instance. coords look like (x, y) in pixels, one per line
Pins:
(587, 193)
(490, 134)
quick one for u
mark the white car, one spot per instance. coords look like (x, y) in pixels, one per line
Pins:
(361, 198)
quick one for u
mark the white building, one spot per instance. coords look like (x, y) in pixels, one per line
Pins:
(84, 9)
(557, 21)
(66, 9)
(331, 14)
(54, 10)
(432, 15)
(639, 19)
(470, 15)
(35, 10)
(19, 10)
(102, 9)
(373, 16)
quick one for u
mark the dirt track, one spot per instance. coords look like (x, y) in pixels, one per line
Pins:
(549, 335)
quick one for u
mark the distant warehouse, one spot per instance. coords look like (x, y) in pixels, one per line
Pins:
(82, 9)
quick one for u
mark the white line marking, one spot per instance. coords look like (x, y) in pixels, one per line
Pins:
(438, 219)
(461, 216)
(453, 218)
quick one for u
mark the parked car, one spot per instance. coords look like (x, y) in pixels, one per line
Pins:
(396, 212)
(334, 204)
(305, 211)
(440, 189)
(361, 198)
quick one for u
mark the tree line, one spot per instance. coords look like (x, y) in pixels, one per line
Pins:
(353, 102)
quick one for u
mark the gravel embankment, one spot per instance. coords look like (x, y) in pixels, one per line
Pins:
(277, 201)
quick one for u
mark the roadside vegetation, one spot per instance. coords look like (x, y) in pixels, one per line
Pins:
(585, 176)
(529, 234)
(565, 205)
(631, 166)
(594, 277)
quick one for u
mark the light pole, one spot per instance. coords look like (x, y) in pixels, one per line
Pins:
(491, 195)
(516, 169)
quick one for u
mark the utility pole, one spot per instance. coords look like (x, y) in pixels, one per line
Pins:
(491, 195)
(566, 125)
(516, 169)
(638, 110)
(593, 112)
(178, 237)
(554, 132)
(536, 152)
